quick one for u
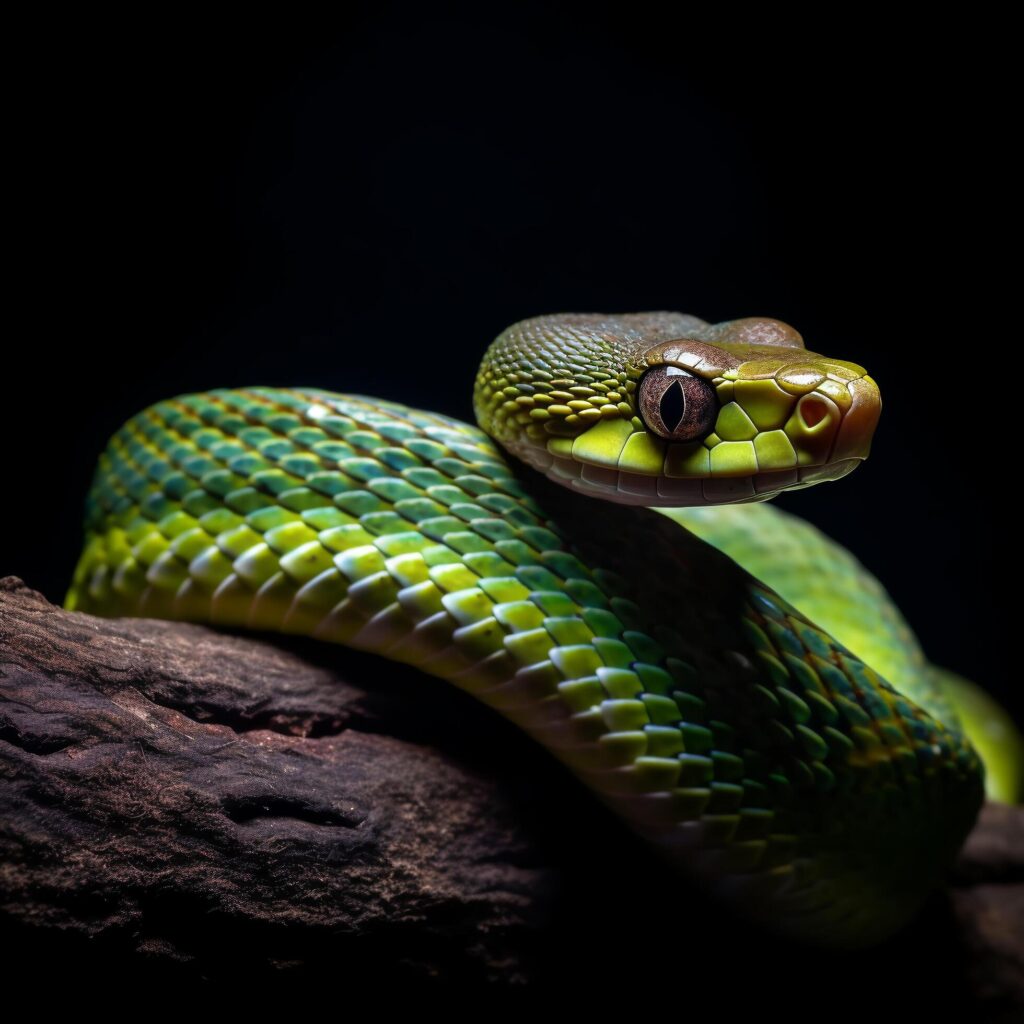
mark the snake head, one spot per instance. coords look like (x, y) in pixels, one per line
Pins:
(666, 409)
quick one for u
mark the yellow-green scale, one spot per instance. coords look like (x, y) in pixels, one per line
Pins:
(746, 743)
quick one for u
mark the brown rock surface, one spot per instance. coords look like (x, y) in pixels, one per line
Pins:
(183, 805)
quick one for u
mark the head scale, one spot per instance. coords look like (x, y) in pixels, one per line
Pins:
(666, 409)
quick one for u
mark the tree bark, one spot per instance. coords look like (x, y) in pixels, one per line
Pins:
(181, 803)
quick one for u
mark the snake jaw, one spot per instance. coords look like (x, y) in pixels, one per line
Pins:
(766, 440)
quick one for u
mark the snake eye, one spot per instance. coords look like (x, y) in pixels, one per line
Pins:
(676, 405)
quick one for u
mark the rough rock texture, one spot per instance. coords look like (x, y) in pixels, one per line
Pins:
(181, 808)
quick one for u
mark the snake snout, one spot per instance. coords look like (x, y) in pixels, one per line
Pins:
(859, 420)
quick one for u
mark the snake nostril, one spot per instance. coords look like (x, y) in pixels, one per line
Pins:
(813, 411)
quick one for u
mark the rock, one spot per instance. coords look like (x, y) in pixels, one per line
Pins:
(179, 804)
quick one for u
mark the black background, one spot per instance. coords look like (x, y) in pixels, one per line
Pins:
(361, 204)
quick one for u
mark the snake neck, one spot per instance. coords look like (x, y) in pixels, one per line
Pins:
(749, 746)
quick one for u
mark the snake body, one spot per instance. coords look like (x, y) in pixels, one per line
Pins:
(754, 750)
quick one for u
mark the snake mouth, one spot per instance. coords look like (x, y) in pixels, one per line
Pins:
(766, 440)
(627, 488)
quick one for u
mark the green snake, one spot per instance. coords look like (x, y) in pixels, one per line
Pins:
(751, 747)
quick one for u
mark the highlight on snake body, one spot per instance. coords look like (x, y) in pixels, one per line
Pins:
(594, 561)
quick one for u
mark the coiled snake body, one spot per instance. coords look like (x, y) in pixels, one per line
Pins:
(748, 744)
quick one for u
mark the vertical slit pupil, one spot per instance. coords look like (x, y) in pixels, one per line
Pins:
(673, 406)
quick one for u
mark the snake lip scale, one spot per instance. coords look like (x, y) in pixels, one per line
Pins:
(753, 749)
(634, 489)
